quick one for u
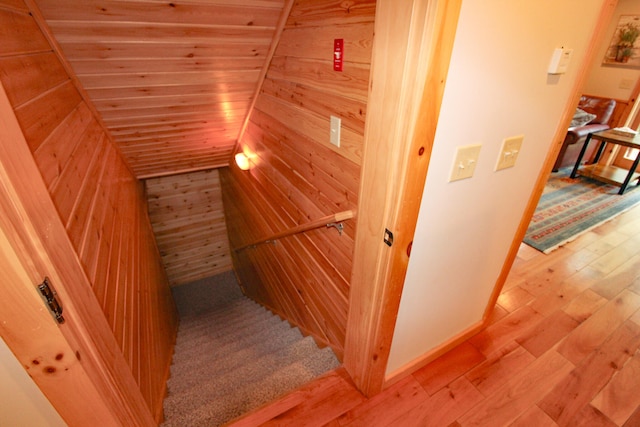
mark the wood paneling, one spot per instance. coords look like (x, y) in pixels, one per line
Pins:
(70, 362)
(297, 175)
(192, 64)
(98, 200)
(187, 217)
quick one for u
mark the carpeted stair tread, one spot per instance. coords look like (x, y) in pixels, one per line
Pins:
(248, 338)
(244, 361)
(217, 360)
(267, 389)
(233, 337)
(214, 412)
(233, 356)
(221, 328)
(251, 364)
(268, 378)
(240, 311)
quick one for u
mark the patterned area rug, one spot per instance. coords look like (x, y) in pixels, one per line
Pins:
(570, 207)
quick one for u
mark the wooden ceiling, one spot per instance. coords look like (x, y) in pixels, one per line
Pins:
(172, 81)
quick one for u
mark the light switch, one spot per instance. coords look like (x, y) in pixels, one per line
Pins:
(464, 164)
(335, 131)
(509, 152)
(560, 61)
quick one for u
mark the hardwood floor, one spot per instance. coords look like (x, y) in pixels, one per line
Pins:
(562, 349)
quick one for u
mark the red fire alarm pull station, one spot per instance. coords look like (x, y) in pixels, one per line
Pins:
(338, 54)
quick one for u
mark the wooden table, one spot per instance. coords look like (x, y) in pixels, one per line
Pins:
(610, 174)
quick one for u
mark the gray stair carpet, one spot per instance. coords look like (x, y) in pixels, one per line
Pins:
(232, 355)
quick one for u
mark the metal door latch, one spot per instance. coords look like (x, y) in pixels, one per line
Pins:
(50, 298)
(388, 237)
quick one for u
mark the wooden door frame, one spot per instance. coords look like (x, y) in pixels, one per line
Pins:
(394, 173)
(77, 365)
(412, 49)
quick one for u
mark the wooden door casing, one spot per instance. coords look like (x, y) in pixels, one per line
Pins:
(78, 361)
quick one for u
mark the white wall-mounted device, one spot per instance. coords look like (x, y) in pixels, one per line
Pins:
(334, 134)
(560, 61)
(465, 161)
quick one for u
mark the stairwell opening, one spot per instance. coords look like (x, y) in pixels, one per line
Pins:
(233, 355)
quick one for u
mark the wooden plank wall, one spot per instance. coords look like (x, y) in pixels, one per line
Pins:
(297, 175)
(187, 217)
(97, 198)
(173, 81)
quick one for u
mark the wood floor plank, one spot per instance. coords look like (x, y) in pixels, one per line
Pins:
(443, 408)
(580, 259)
(608, 242)
(315, 404)
(636, 318)
(634, 419)
(584, 305)
(448, 367)
(534, 417)
(520, 393)
(547, 333)
(585, 278)
(616, 257)
(383, 408)
(554, 274)
(505, 330)
(619, 279)
(621, 396)
(514, 298)
(499, 367)
(497, 314)
(559, 296)
(555, 298)
(538, 265)
(585, 240)
(526, 252)
(593, 331)
(575, 391)
(632, 226)
(591, 417)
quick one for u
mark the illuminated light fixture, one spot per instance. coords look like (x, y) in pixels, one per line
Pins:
(243, 162)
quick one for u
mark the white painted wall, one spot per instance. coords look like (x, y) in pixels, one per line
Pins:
(606, 80)
(21, 401)
(497, 87)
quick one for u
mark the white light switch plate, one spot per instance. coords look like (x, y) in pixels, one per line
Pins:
(509, 152)
(464, 164)
(334, 136)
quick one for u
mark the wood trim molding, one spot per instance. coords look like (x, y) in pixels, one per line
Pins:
(286, 11)
(79, 361)
(411, 55)
(606, 14)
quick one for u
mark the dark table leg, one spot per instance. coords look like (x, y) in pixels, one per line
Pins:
(632, 170)
(600, 151)
(580, 156)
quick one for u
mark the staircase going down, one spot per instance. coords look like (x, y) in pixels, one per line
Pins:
(232, 355)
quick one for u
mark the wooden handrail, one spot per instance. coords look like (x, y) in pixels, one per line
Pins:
(325, 221)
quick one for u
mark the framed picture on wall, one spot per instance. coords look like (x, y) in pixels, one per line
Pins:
(624, 48)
